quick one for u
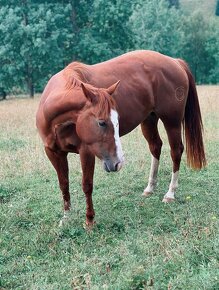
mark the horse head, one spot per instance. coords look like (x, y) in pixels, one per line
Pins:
(98, 126)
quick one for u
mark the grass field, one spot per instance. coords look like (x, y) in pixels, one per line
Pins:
(137, 243)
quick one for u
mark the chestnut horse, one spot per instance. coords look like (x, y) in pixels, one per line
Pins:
(86, 108)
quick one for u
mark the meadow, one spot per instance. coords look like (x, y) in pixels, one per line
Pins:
(137, 242)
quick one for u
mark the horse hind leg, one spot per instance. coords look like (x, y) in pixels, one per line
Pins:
(151, 134)
(176, 150)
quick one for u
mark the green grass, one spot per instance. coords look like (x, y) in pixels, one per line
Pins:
(137, 243)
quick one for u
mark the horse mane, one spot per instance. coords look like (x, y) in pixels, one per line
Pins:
(77, 73)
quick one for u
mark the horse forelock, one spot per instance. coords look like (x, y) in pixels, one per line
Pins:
(104, 105)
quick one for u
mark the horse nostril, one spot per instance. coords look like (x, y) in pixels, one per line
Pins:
(111, 167)
(118, 166)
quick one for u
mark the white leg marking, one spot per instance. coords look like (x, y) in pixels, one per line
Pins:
(65, 218)
(115, 122)
(152, 176)
(172, 188)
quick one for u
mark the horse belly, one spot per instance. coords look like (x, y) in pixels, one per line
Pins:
(135, 100)
(132, 112)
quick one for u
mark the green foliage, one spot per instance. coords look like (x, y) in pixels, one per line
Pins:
(217, 8)
(156, 27)
(101, 29)
(111, 26)
(174, 3)
(200, 47)
(31, 38)
(38, 38)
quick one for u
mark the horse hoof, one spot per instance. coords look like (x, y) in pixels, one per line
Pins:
(89, 225)
(168, 199)
(147, 194)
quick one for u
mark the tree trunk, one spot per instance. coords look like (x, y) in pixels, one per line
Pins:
(30, 84)
(32, 91)
(30, 88)
(29, 78)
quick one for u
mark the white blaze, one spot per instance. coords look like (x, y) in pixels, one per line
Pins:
(115, 122)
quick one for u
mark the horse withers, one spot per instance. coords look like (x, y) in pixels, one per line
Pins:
(85, 109)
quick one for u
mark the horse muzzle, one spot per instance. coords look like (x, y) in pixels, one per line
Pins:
(111, 166)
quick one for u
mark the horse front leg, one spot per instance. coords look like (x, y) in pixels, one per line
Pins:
(88, 164)
(60, 163)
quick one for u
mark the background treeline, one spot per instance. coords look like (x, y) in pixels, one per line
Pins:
(38, 38)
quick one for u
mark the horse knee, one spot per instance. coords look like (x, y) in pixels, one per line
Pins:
(87, 187)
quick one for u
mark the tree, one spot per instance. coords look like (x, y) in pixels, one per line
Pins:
(217, 8)
(174, 3)
(101, 29)
(38, 38)
(200, 47)
(157, 27)
(111, 27)
(34, 38)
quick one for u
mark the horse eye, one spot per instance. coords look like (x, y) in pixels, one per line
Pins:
(102, 123)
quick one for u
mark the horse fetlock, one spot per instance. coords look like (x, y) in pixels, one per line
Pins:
(149, 190)
(168, 199)
(90, 215)
(147, 193)
(89, 223)
(67, 205)
(87, 187)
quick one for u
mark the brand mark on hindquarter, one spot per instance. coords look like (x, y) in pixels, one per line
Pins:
(180, 93)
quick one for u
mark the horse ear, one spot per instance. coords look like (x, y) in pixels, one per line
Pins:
(89, 94)
(112, 88)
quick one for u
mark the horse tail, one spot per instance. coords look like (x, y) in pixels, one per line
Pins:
(192, 125)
